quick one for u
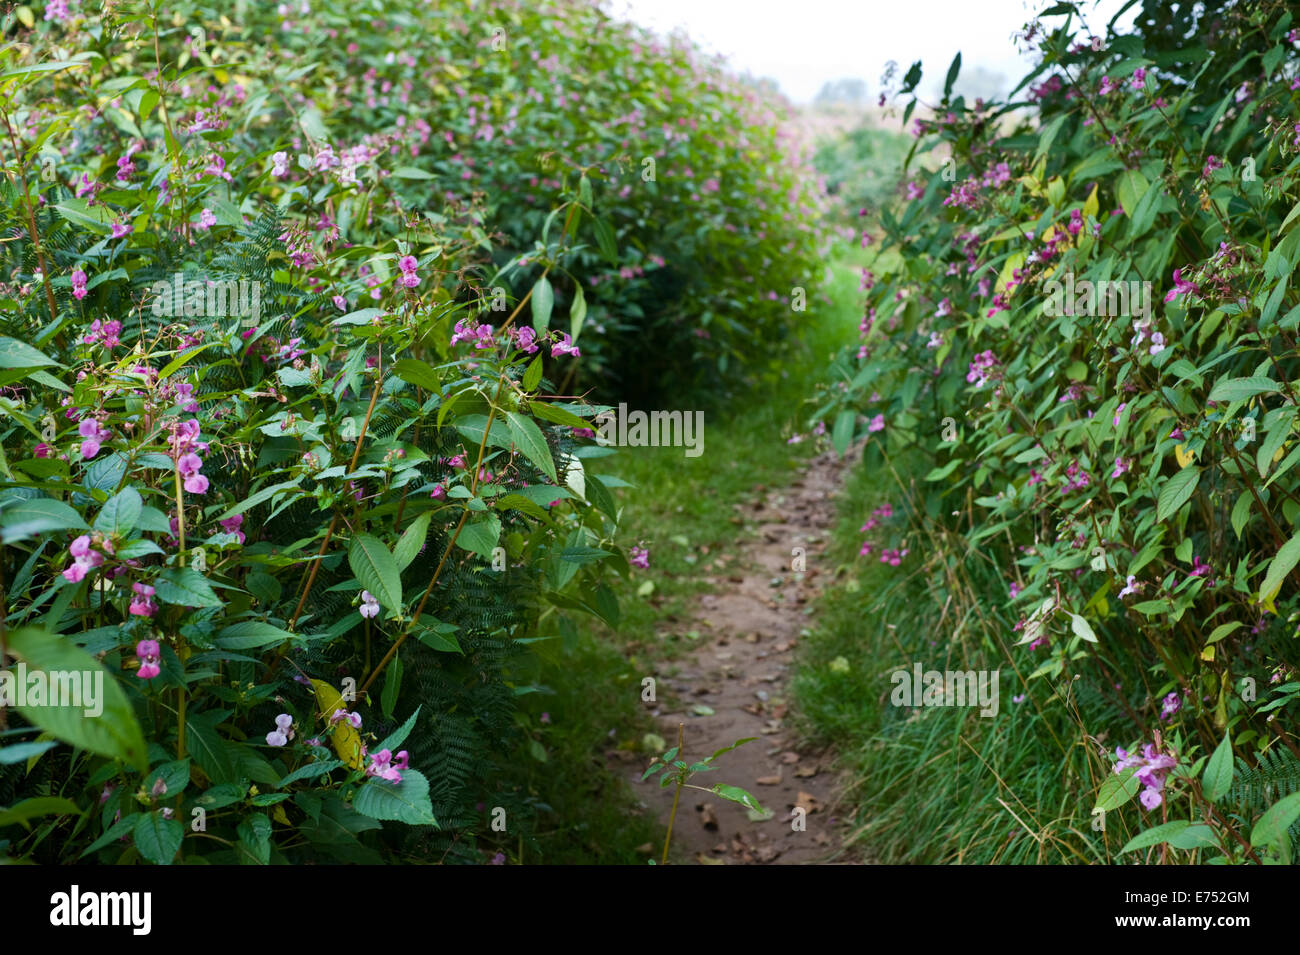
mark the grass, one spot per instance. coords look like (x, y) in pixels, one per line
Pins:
(684, 511)
(941, 784)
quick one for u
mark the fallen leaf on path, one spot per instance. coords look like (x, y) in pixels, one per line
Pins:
(702, 859)
(707, 817)
(769, 780)
(789, 756)
(803, 772)
(699, 709)
(807, 802)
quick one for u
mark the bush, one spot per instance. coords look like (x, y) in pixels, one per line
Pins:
(1088, 326)
(273, 487)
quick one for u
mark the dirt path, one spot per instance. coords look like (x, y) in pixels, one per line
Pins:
(734, 686)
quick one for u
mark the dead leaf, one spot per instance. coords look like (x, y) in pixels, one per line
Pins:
(769, 780)
(803, 772)
(807, 802)
(702, 859)
(707, 817)
(645, 848)
(768, 853)
(789, 756)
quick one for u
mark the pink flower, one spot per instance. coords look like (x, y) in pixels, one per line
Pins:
(1181, 286)
(1131, 587)
(383, 766)
(206, 220)
(1171, 705)
(876, 424)
(231, 526)
(1120, 467)
(94, 434)
(142, 604)
(1015, 589)
(150, 657)
(340, 715)
(120, 229)
(1118, 411)
(564, 347)
(78, 284)
(369, 605)
(639, 557)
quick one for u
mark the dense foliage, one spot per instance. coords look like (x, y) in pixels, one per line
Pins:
(288, 297)
(1086, 324)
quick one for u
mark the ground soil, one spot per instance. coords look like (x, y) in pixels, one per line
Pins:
(749, 628)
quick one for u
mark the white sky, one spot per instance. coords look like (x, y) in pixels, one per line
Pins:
(803, 43)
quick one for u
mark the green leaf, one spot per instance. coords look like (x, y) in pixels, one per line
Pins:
(1283, 563)
(1081, 628)
(736, 794)
(1176, 492)
(105, 725)
(419, 373)
(185, 587)
(1155, 836)
(392, 685)
(1236, 389)
(842, 431)
(21, 812)
(1116, 790)
(479, 537)
(21, 752)
(1217, 778)
(37, 517)
(1241, 512)
(254, 846)
(158, 839)
(398, 736)
(939, 473)
(1196, 836)
(411, 172)
(1222, 631)
(533, 376)
(605, 240)
(728, 749)
(408, 546)
(1132, 187)
(250, 634)
(120, 513)
(377, 570)
(557, 415)
(16, 354)
(407, 801)
(530, 440)
(543, 302)
(1272, 826)
(577, 311)
(317, 767)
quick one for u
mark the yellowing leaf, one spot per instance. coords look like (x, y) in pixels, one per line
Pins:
(1090, 205)
(1013, 262)
(1208, 653)
(280, 816)
(347, 741)
(1184, 456)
